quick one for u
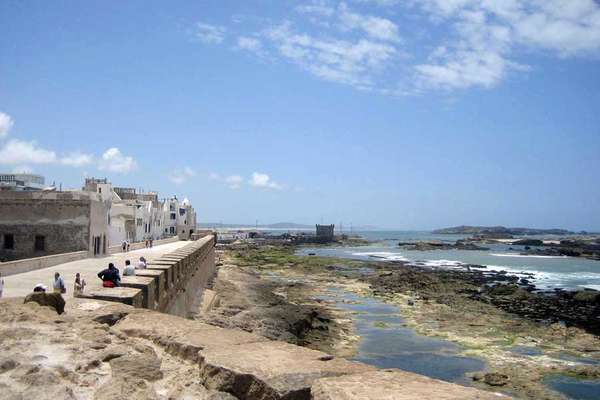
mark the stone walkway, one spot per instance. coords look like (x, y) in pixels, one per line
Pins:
(22, 284)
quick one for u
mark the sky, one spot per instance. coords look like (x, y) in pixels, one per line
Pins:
(405, 114)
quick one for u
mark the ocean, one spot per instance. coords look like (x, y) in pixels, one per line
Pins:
(548, 272)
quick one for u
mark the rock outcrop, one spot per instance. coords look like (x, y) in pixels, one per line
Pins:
(100, 350)
(53, 300)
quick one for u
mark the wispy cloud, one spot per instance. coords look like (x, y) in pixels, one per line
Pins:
(234, 181)
(179, 176)
(349, 62)
(476, 43)
(256, 180)
(77, 159)
(375, 27)
(210, 34)
(264, 181)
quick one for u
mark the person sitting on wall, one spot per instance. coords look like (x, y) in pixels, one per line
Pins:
(110, 276)
(79, 285)
(59, 284)
(142, 263)
(129, 270)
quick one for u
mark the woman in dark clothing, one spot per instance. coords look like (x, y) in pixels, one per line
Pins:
(110, 276)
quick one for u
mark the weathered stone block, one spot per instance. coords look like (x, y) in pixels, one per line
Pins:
(146, 285)
(125, 295)
(270, 370)
(393, 384)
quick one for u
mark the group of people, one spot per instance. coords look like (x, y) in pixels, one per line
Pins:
(58, 285)
(111, 276)
(126, 245)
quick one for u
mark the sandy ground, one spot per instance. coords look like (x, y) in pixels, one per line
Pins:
(22, 284)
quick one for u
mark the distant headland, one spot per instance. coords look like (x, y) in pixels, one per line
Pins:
(495, 230)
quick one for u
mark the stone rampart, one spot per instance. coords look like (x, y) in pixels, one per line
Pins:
(172, 283)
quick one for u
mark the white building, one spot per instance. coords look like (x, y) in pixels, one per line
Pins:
(21, 182)
(136, 217)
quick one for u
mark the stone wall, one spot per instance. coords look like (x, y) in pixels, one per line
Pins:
(31, 264)
(64, 226)
(173, 283)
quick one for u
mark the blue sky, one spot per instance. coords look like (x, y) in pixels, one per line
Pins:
(400, 114)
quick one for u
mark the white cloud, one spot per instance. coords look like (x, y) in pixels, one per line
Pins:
(488, 32)
(209, 34)
(77, 159)
(6, 123)
(342, 61)
(114, 161)
(234, 181)
(213, 176)
(189, 171)
(264, 181)
(320, 8)
(17, 152)
(475, 43)
(249, 43)
(22, 169)
(375, 27)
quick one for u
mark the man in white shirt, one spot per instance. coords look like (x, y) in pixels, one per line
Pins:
(128, 270)
(59, 284)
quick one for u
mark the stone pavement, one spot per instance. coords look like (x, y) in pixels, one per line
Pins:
(22, 284)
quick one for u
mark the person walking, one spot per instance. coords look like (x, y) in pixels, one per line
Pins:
(110, 276)
(79, 285)
(128, 246)
(59, 284)
(124, 245)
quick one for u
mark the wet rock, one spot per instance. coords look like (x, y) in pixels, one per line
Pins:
(53, 300)
(495, 379)
(7, 365)
(111, 318)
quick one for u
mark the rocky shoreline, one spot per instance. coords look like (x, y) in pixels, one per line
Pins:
(491, 314)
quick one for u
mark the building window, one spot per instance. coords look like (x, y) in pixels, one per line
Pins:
(182, 211)
(99, 190)
(172, 230)
(9, 241)
(139, 222)
(173, 216)
(40, 243)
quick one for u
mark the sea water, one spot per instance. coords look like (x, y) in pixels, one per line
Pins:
(548, 272)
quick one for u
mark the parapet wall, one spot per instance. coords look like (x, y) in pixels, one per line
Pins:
(173, 283)
(31, 264)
